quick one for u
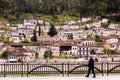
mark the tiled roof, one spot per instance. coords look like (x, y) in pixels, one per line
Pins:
(17, 53)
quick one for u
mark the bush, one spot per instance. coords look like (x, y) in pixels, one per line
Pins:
(105, 25)
(64, 56)
(5, 54)
(48, 54)
(114, 52)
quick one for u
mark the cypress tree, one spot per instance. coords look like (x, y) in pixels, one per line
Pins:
(52, 31)
(34, 38)
(39, 30)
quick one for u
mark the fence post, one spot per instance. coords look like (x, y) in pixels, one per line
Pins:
(27, 69)
(22, 69)
(107, 69)
(62, 69)
(102, 69)
(68, 69)
(4, 71)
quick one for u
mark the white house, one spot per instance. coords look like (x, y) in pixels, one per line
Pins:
(85, 49)
(30, 23)
(85, 19)
(87, 42)
(15, 39)
(54, 38)
(108, 32)
(41, 50)
(55, 50)
(14, 36)
(112, 40)
(76, 36)
(74, 50)
(70, 22)
(99, 48)
(115, 46)
(2, 32)
(113, 26)
(28, 32)
(104, 20)
(20, 26)
(20, 55)
(44, 28)
(40, 21)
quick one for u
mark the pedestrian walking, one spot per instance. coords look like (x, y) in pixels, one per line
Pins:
(91, 67)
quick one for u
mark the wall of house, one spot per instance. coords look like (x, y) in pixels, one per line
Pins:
(55, 50)
(75, 50)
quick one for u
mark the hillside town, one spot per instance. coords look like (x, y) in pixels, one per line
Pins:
(74, 39)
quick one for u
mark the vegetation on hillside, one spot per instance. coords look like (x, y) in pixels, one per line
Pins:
(5, 54)
(52, 30)
(48, 55)
(58, 9)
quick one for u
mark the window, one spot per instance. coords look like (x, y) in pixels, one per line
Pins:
(83, 48)
(80, 49)
(86, 48)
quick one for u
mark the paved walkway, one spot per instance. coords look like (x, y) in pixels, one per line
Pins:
(110, 77)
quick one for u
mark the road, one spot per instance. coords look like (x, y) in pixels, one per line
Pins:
(110, 77)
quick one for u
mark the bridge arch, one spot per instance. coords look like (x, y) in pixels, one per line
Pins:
(82, 66)
(61, 72)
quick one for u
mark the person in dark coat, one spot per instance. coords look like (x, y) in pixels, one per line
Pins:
(91, 67)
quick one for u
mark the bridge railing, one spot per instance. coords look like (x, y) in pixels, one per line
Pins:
(25, 69)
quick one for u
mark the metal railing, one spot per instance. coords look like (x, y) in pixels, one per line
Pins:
(25, 69)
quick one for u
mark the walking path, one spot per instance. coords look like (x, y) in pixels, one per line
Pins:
(110, 77)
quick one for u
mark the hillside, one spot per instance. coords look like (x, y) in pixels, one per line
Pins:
(55, 9)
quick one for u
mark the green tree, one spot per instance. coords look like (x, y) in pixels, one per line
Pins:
(107, 49)
(34, 38)
(64, 55)
(98, 38)
(114, 52)
(39, 31)
(105, 25)
(25, 41)
(6, 40)
(52, 31)
(91, 36)
(5, 54)
(48, 54)
(86, 28)
(92, 51)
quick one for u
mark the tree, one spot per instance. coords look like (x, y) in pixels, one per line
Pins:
(39, 30)
(5, 54)
(105, 25)
(25, 41)
(5, 39)
(92, 51)
(48, 54)
(91, 36)
(64, 55)
(34, 38)
(52, 31)
(86, 28)
(114, 52)
(36, 55)
(17, 9)
(107, 49)
(98, 38)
